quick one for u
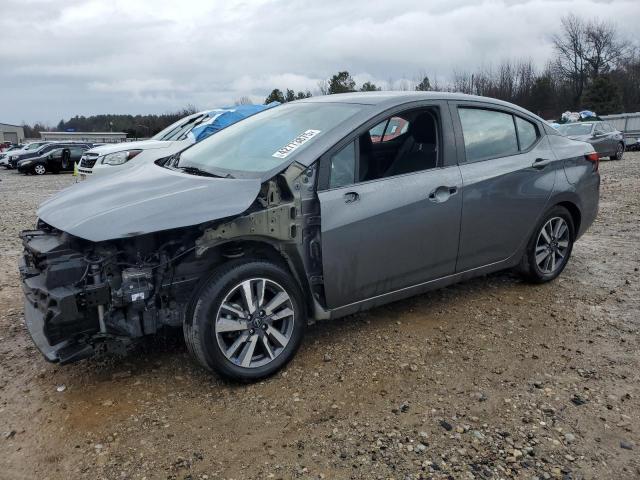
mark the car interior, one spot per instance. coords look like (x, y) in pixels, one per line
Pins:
(403, 143)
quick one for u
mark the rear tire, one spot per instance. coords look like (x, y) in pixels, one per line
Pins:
(619, 152)
(246, 321)
(550, 246)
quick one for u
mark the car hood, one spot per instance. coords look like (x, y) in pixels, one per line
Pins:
(147, 198)
(119, 147)
(20, 153)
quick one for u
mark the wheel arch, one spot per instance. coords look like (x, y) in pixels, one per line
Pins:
(283, 254)
(576, 214)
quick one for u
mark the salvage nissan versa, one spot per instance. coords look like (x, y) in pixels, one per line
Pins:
(295, 215)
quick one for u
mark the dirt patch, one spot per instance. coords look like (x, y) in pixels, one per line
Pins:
(491, 378)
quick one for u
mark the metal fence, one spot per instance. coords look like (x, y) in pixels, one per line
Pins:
(628, 124)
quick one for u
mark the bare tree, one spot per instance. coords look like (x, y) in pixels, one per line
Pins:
(571, 47)
(323, 86)
(244, 100)
(604, 49)
(462, 82)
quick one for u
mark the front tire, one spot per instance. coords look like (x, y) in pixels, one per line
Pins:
(39, 169)
(619, 152)
(549, 247)
(246, 321)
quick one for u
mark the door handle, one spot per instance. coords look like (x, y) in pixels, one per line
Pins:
(442, 193)
(351, 197)
(540, 163)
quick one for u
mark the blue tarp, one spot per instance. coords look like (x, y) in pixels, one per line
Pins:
(223, 117)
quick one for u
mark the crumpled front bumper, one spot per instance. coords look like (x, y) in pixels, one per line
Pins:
(46, 312)
(60, 309)
(34, 319)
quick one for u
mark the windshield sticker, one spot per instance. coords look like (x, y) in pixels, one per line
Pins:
(295, 143)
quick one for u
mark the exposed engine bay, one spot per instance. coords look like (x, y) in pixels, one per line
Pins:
(84, 297)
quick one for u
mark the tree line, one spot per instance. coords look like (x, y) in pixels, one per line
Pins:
(592, 68)
(135, 126)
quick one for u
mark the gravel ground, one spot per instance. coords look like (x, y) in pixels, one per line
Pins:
(491, 378)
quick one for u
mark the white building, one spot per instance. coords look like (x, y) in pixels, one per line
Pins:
(11, 133)
(92, 137)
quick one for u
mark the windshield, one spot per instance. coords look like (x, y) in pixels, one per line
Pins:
(265, 140)
(34, 146)
(179, 129)
(575, 129)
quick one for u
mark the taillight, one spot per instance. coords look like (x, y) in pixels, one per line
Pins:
(593, 157)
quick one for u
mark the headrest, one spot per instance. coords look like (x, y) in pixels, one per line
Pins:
(423, 128)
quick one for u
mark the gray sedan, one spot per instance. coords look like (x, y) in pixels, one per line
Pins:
(606, 140)
(295, 215)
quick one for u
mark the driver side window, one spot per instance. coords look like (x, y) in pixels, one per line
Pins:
(343, 167)
(404, 143)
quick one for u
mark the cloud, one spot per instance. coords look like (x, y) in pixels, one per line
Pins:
(85, 56)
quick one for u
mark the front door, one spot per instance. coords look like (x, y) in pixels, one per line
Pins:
(389, 234)
(397, 225)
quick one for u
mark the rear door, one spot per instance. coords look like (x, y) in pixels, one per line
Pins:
(508, 171)
(612, 141)
(386, 234)
(600, 140)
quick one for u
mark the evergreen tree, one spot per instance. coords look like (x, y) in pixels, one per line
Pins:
(424, 85)
(369, 87)
(301, 95)
(341, 82)
(275, 96)
(602, 96)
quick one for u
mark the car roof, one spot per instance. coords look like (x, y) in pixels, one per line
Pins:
(393, 98)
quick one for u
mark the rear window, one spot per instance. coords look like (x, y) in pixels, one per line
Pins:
(487, 133)
(575, 129)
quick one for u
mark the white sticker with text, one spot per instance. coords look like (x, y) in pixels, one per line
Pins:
(295, 143)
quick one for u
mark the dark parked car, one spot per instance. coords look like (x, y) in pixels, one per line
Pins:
(41, 151)
(60, 159)
(606, 140)
(295, 215)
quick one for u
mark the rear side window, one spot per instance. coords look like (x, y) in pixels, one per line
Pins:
(343, 167)
(527, 133)
(487, 133)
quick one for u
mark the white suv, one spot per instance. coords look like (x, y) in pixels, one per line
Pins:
(108, 159)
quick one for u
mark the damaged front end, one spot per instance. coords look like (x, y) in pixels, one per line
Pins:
(82, 297)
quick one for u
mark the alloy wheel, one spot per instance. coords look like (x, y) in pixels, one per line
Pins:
(552, 245)
(39, 169)
(255, 322)
(620, 152)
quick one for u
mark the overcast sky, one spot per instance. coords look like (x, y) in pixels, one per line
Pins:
(59, 59)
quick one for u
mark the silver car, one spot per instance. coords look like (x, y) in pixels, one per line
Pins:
(606, 140)
(295, 215)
